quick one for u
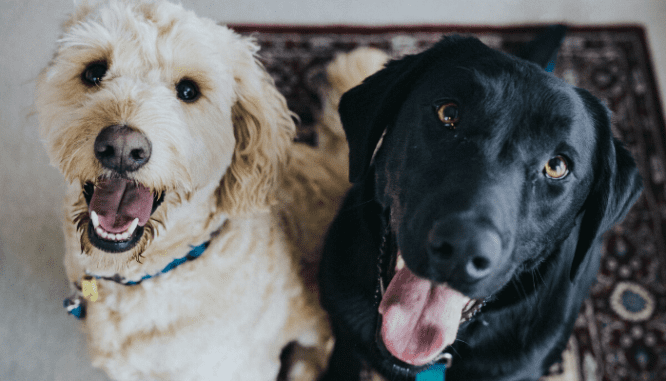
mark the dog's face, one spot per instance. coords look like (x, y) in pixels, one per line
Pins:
(486, 165)
(483, 169)
(143, 107)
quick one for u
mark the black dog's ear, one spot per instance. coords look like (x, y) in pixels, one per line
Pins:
(543, 49)
(617, 183)
(367, 109)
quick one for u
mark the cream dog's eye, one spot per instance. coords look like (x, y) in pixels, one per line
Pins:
(187, 90)
(94, 73)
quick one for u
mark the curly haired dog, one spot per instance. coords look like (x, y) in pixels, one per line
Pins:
(191, 217)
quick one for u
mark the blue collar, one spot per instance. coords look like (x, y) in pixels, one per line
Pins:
(436, 372)
(193, 254)
(76, 304)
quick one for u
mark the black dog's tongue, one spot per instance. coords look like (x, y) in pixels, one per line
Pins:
(118, 202)
(419, 319)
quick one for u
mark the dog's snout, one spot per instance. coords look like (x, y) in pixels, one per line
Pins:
(465, 247)
(122, 148)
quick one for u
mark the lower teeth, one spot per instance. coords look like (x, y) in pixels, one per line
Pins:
(112, 237)
(470, 312)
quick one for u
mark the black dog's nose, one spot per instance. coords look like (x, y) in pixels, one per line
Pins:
(466, 247)
(122, 148)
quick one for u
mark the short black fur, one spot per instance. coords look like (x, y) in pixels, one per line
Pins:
(460, 188)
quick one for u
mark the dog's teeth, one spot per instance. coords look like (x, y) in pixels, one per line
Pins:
(400, 263)
(133, 226)
(111, 236)
(94, 218)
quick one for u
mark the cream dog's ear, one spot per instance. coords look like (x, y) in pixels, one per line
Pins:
(264, 130)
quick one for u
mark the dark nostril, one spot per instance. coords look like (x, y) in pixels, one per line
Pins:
(480, 263)
(439, 245)
(478, 267)
(137, 154)
(442, 250)
(475, 271)
(105, 151)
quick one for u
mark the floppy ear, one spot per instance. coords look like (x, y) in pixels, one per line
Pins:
(263, 129)
(367, 109)
(617, 183)
(543, 49)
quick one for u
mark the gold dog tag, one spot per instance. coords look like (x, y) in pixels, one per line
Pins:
(89, 289)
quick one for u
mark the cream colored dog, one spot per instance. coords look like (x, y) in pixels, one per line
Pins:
(192, 221)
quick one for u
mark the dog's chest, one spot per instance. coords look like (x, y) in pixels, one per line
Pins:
(204, 308)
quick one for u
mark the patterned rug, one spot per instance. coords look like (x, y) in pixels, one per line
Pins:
(620, 334)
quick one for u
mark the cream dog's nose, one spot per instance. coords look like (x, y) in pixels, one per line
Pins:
(122, 148)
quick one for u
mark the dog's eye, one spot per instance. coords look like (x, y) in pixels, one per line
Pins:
(93, 74)
(187, 90)
(556, 168)
(448, 114)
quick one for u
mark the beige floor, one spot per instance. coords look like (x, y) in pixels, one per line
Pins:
(37, 340)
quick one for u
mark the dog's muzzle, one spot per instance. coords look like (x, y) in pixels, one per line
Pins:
(403, 300)
(118, 210)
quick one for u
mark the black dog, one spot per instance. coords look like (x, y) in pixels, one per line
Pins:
(490, 191)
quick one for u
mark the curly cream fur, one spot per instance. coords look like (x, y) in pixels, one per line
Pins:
(229, 173)
(260, 152)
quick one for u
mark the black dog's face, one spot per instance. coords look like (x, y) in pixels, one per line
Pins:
(488, 168)
(484, 191)
(483, 171)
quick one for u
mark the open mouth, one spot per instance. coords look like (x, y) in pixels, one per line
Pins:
(417, 319)
(118, 209)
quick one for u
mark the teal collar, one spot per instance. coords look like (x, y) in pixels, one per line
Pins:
(76, 304)
(193, 254)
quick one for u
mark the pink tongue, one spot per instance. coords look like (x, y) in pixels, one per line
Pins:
(118, 202)
(419, 319)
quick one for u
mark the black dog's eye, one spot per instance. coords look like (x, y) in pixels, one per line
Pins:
(187, 90)
(556, 168)
(448, 114)
(93, 74)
